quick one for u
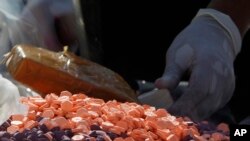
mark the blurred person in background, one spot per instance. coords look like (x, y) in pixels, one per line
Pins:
(131, 38)
(45, 23)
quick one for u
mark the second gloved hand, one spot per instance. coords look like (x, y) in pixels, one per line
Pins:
(206, 49)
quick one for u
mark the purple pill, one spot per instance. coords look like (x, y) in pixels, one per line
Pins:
(112, 135)
(58, 135)
(19, 136)
(69, 133)
(43, 128)
(95, 127)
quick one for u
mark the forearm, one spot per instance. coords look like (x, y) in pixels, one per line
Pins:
(238, 10)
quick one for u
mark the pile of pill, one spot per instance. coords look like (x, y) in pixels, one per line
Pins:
(77, 117)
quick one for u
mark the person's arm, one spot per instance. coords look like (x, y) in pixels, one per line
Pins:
(238, 10)
(206, 50)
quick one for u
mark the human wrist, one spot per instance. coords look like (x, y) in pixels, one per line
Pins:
(238, 11)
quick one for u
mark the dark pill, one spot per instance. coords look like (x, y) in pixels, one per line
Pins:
(2, 133)
(39, 132)
(2, 128)
(123, 135)
(65, 138)
(50, 133)
(25, 139)
(41, 136)
(95, 127)
(55, 129)
(227, 133)
(58, 135)
(87, 139)
(93, 134)
(32, 136)
(208, 132)
(5, 139)
(14, 139)
(100, 138)
(34, 130)
(43, 127)
(26, 132)
(6, 134)
(112, 135)
(69, 133)
(43, 139)
(39, 118)
(5, 125)
(18, 136)
(188, 138)
(189, 123)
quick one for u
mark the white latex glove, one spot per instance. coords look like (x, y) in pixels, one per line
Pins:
(206, 49)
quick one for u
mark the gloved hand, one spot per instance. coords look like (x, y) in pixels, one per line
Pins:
(206, 49)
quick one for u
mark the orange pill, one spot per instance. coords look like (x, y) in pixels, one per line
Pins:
(65, 93)
(17, 123)
(45, 105)
(217, 136)
(31, 115)
(122, 124)
(70, 115)
(82, 112)
(80, 96)
(62, 98)
(161, 113)
(25, 119)
(47, 122)
(38, 113)
(61, 122)
(107, 125)
(152, 135)
(55, 105)
(18, 117)
(53, 96)
(66, 105)
(76, 119)
(119, 139)
(81, 129)
(30, 124)
(32, 106)
(39, 102)
(75, 108)
(12, 129)
(116, 129)
(48, 114)
(93, 114)
(172, 137)
(130, 139)
(223, 127)
(164, 133)
(77, 138)
(58, 112)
